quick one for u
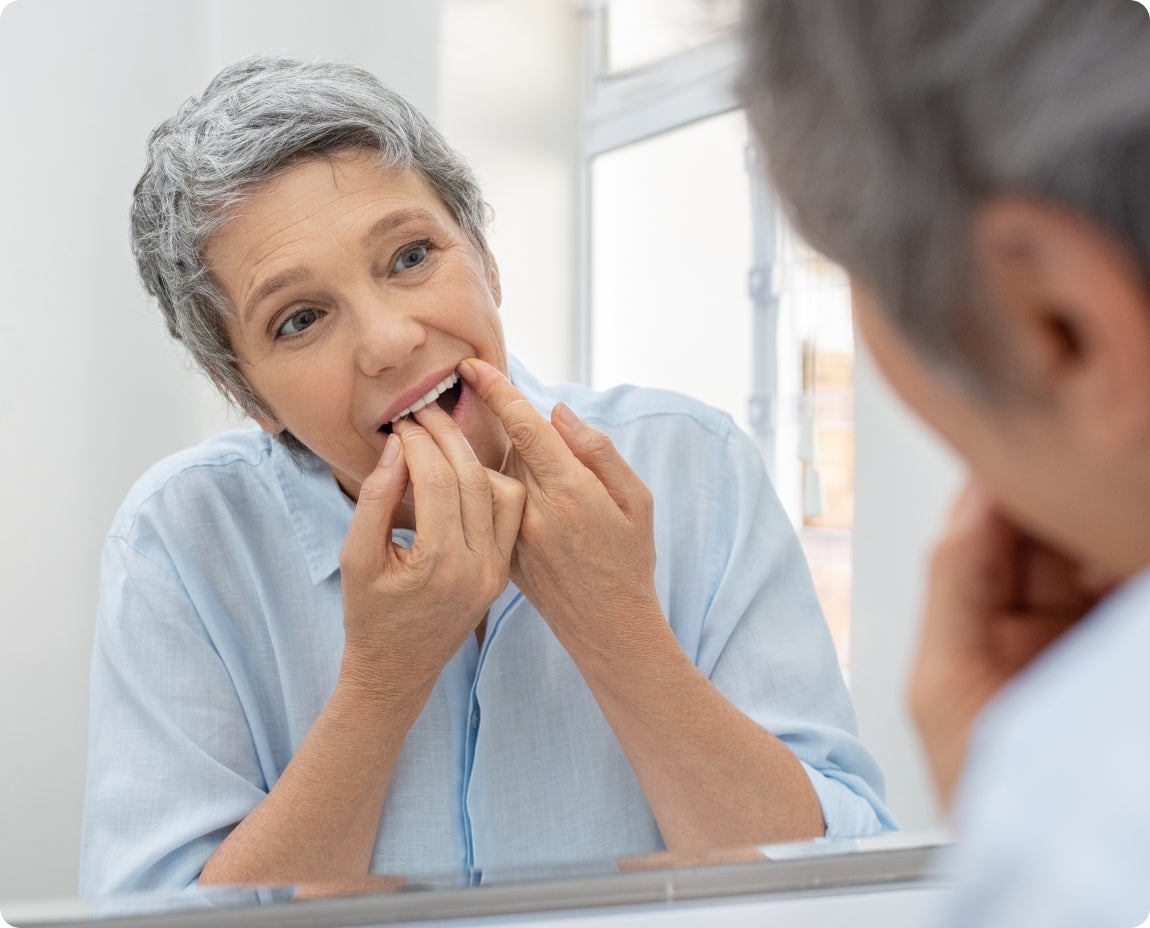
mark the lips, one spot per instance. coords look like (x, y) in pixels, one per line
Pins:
(446, 391)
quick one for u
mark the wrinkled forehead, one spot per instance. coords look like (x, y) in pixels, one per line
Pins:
(348, 185)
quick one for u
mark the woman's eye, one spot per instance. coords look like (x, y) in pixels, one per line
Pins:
(410, 257)
(297, 322)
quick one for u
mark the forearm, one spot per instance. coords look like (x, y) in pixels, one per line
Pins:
(319, 821)
(713, 776)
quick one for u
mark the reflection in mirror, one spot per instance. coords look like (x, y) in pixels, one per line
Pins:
(309, 660)
(130, 399)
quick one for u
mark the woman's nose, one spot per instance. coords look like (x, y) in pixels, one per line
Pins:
(385, 336)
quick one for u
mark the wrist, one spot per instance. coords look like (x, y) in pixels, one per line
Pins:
(378, 692)
(624, 635)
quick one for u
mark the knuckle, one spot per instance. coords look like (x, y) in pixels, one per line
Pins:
(420, 560)
(644, 498)
(598, 443)
(351, 562)
(515, 493)
(524, 434)
(534, 523)
(506, 488)
(375, 488)
(568, 489)
(473, 478)
(441, 477)
(408, 583)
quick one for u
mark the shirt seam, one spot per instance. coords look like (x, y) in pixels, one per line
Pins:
(231, 459)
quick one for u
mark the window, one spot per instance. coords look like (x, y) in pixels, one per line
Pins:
(685, 253)
(635, 34)
(670, 248)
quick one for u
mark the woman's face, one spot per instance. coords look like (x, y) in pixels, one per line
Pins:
(356, 293)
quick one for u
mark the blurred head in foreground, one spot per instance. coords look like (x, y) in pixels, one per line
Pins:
(982, 171)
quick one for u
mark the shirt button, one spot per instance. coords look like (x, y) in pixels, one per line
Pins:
(475, 719)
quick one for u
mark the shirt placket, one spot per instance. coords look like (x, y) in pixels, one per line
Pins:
(502, 606)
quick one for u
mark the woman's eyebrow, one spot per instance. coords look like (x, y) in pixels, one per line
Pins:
(392, 221)
(276, 282)
(294, 276)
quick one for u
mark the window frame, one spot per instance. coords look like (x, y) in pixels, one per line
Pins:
(624, 108)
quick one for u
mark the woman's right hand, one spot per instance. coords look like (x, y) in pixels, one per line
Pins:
(407, 611)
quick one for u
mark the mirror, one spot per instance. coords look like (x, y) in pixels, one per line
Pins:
(92, 390)
(879, 881)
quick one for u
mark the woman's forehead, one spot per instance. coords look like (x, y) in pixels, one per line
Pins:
(346, 195)
(337, 181)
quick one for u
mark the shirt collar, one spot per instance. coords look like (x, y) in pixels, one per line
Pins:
(319, 510)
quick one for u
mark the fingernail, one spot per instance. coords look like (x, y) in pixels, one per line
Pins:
(466, 371)
(390, 450)
(566, 415)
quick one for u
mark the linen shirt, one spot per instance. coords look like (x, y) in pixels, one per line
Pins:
(1053, 810)
(219, 638)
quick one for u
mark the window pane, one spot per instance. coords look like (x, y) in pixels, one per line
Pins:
(816, 298)
(671, 248)
(641, 32)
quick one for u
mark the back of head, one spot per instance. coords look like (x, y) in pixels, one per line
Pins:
(256, 119)
(888, 122)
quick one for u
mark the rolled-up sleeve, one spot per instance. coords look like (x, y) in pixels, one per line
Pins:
(765, 645)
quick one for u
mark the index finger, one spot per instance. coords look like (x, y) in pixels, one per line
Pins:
(380, 496)
(534, 437)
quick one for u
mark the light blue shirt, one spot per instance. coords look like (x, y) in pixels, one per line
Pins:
(1053, 811)
(219, 638)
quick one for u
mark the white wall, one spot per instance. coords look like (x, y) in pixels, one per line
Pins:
(509, 100)
(904, 481)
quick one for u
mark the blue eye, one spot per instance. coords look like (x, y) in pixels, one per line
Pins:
(410, 257)
(297, 322)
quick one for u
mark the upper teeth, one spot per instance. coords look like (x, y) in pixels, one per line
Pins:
(430, 396)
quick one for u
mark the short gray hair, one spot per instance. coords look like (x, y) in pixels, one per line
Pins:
(886, 123)
(257, 118)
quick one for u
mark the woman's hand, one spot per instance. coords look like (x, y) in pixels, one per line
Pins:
(996, 598)
(407, 611)
(586, 559)
(586, 549)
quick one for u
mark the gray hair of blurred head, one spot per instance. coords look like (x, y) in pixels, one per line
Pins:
(256, 119)
(888, 123)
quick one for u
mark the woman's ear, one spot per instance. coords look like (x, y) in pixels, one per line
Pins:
(256, 411)
(268, 425)
(493, 279)
(1076, 307)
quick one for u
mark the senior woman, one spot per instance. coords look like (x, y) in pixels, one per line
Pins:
(310, 663)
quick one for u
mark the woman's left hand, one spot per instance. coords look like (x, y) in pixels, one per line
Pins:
(585, 558)
(586, 545)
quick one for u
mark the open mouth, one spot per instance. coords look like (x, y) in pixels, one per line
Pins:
(445, 393)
